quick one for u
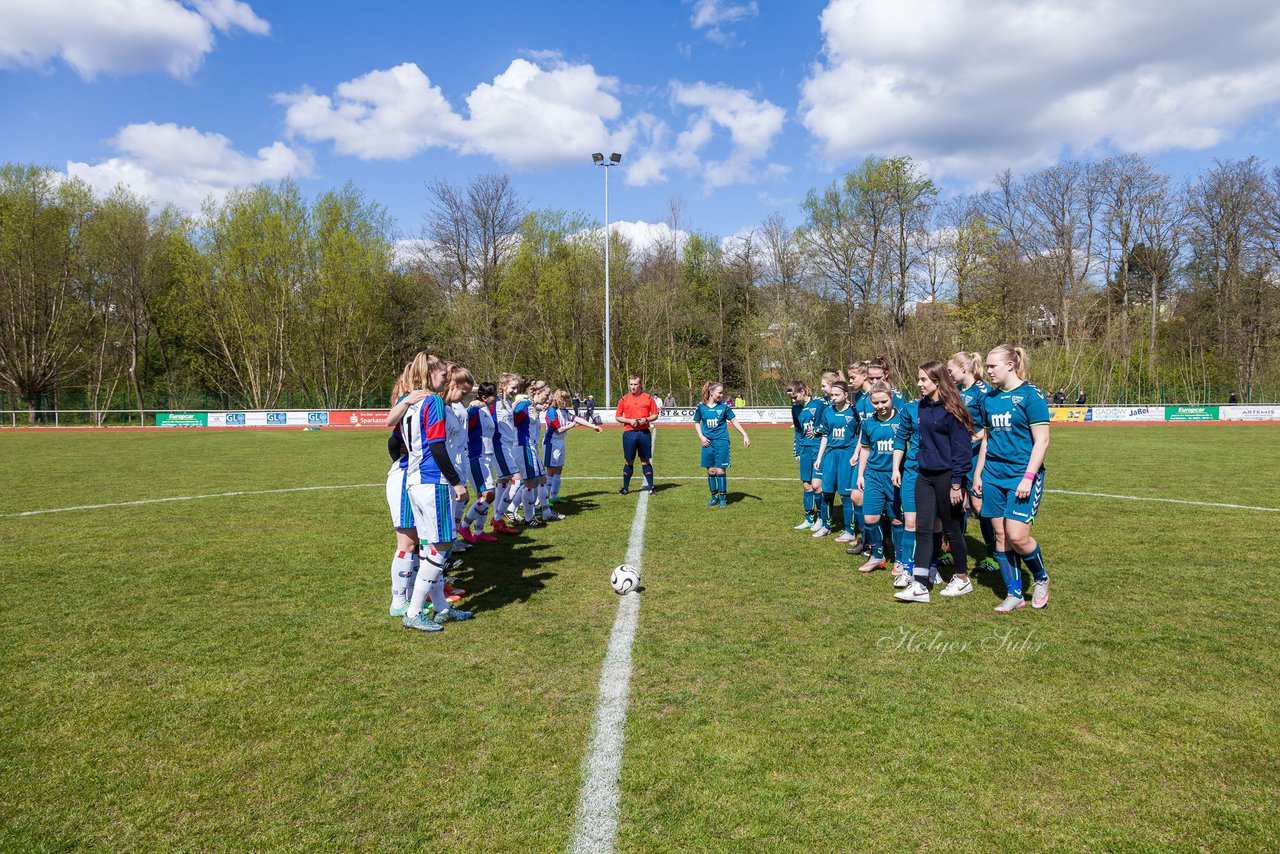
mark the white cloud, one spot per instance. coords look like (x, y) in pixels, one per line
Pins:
(644, 237)
(971, 87)
(531, 116)
(711, 15)
(391, 114)
(183, 166)
(752, 125)
(118, 36)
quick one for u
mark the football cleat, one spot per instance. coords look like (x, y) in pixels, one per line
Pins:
(422, 623)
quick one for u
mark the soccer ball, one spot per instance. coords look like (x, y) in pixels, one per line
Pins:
(625, 578)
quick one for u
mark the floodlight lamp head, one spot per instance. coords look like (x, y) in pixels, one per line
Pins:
(615, 158)
(597, 158)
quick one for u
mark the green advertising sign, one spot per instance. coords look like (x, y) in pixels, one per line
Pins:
(1191, 413)
(182, 419)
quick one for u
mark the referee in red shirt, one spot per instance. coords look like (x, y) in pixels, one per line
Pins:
(636, 411)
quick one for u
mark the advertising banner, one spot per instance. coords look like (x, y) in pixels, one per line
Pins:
(1249, 413)
(289, 418)
(358, 417)
(1129, 414)
(182, 419)
(1058, 414)
(1191, 413)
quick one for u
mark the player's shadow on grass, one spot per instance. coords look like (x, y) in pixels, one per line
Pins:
(506, 575)
(993, 581)
(578, 502)
(735, 497)
(664, 486)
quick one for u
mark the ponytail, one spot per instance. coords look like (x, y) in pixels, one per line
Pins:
(970, 362)
(1015, 355)
(707, 388)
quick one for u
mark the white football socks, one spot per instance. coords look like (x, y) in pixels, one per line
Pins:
(401, 577)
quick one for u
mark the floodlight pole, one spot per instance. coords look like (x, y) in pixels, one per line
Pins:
(613, 160)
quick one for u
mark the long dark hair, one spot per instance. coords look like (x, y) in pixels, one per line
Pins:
(947, 393)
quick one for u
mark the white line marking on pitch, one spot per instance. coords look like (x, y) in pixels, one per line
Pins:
(188, 498)
(579, 477)
(1166, 500)
(598, 801)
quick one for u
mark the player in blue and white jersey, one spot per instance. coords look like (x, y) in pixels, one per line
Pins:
(480, 465)
(966, 370)
(528, 423)
(805, 412)
(433, 483)
(711, 420)
(505, 447)
(557, 421)
(822, 513)
(455, 423)
(1010, 475)
(877, 435)
(839, 432)
(410, 388)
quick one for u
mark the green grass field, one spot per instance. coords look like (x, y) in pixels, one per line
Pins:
(222, 674)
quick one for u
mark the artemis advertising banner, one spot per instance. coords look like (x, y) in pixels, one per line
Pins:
(1249, 413)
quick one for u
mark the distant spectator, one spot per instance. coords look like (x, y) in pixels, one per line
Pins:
(1060, 397)
(591, 406)
(1080, 397)
(657, 398)
(1232, 399)
(739, 401)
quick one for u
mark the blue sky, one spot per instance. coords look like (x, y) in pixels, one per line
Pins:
(736, 107)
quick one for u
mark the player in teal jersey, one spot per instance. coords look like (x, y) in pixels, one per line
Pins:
(805, 412)
(711, 420)
(871, 372)
(1010, 474)
(822, 512)
(839, 432)
(875, 475)
(965, 369)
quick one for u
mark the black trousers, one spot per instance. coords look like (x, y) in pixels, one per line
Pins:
(933, 501)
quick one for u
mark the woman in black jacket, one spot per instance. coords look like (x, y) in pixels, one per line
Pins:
(945, 459)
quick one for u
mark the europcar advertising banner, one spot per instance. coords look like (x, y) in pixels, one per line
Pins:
(1249, 413)
(182, 419)
(1191, 413)
(1059, 414)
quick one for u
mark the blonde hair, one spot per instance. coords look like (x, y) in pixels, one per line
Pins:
(1016, 355)
(535, 386)
(708, 387)
(560, 399)
(970, 362)
(418, 372)
(881, 387)
(832, 376)
(460, 377)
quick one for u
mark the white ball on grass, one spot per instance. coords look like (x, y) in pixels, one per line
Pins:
(624, 579)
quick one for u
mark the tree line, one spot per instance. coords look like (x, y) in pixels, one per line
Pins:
(1119, 280)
